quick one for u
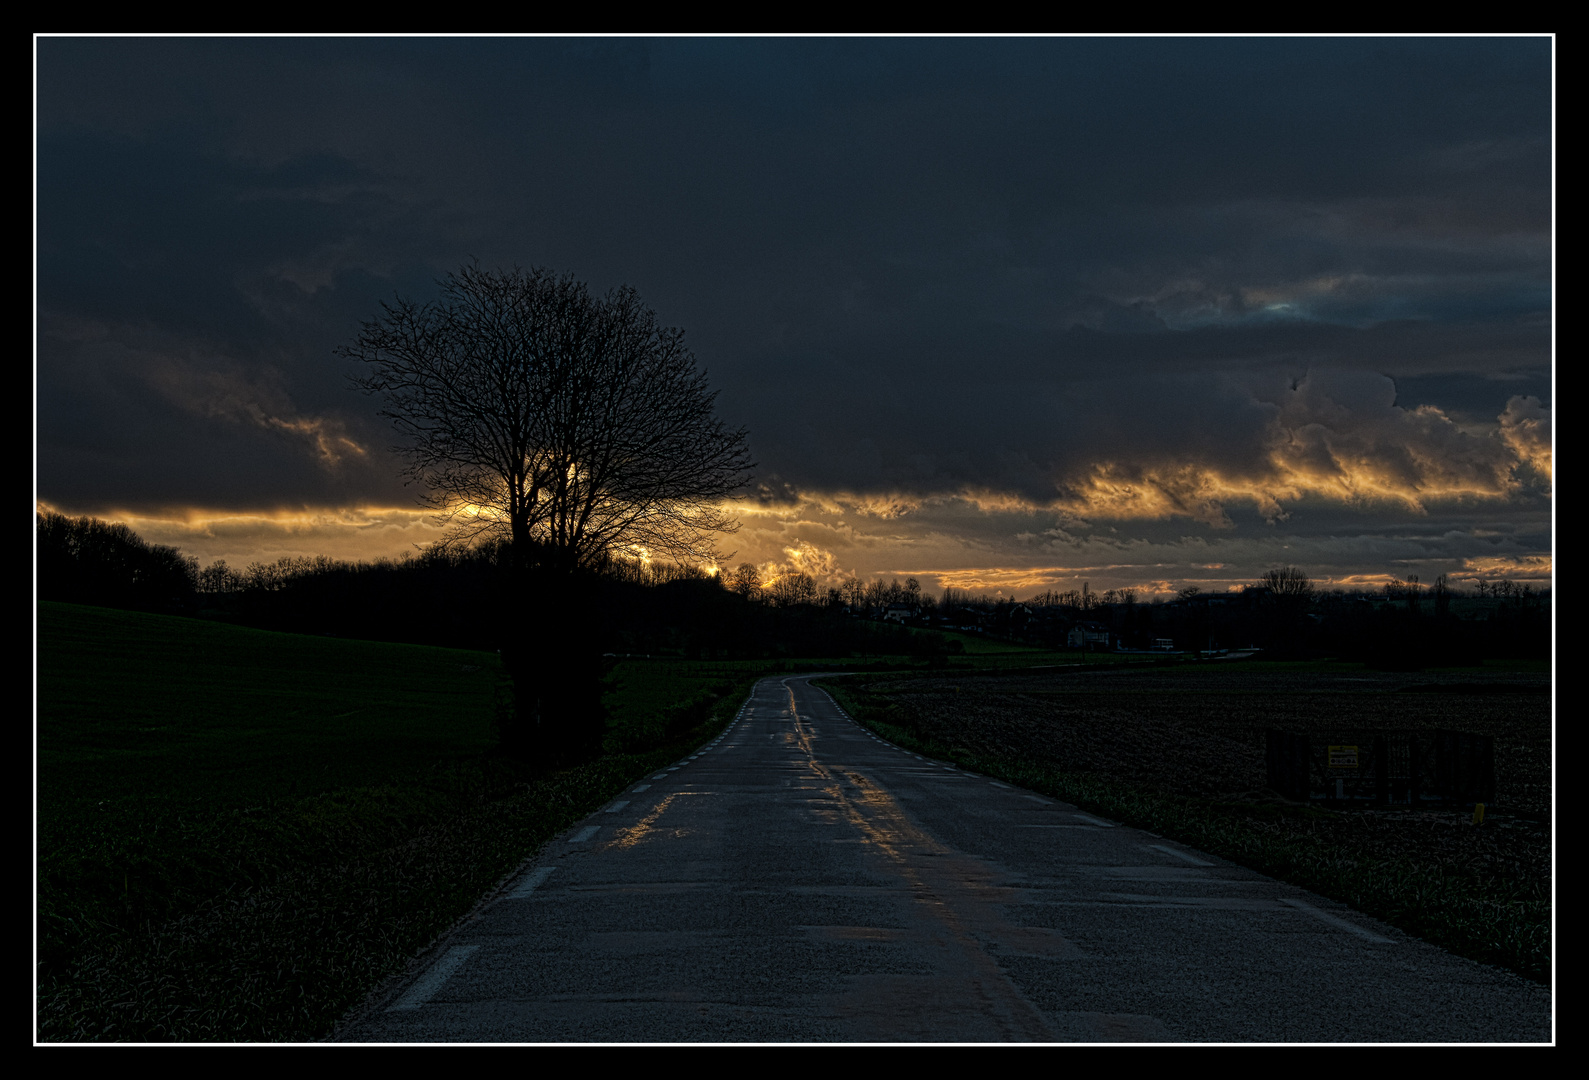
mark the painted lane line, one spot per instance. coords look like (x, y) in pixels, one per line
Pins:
(1225, 903)
(1036, 799)
(1325, 916)
(638, 788)
(1095, 821)
(617, 806)
(660, 776)
(584, 834)
(535, 879)
(426, 988)
(1053, 826)
(996, 784)
(1194, 860)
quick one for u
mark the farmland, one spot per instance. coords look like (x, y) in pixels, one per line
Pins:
(1181, 750)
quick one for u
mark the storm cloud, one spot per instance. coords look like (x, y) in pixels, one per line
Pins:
(996, 312)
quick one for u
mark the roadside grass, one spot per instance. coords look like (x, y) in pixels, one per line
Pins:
(241, 834)
(1483, 918)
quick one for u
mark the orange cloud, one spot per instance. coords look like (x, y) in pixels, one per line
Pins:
(1525, 427)
(231, 394)
(1519, 567)
(240, 537)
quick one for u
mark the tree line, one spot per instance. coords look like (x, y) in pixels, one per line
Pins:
(451, 595)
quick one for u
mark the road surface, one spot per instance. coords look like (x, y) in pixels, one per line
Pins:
(801, 880)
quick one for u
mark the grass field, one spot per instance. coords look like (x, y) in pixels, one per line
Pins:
(241, 833)
(1179, 751)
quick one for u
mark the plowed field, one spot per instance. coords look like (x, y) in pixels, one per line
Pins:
(1200, 732)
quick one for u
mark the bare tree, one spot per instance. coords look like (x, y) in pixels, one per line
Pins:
(569, 424)
(746, 581)
(575, 427)
(218, 579)
(853, 590)
(793, 589)
(1287, 582)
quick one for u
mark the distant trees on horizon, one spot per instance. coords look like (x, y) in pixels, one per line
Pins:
(447, 597)
(88, 561)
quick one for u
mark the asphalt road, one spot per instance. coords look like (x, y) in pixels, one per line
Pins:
(801, 880)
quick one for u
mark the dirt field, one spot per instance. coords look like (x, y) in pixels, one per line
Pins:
(1200, 732)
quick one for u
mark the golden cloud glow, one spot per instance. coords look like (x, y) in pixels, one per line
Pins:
(1365, 453)
(1369, 454)
(231, 394)
(807, 558)
(330, 444)
(240, 537)
(1518, 567)
(1525, 427)
(1003, 579)
(885, 507)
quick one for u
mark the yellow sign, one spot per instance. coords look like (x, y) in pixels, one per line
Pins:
(1343, 757)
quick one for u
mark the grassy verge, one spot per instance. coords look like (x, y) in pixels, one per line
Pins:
(1337, 855)
(240, 834)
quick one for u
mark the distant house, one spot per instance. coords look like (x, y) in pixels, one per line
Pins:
(1088, 634)
(899, 613)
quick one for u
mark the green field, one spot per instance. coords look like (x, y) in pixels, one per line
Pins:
(242, 833)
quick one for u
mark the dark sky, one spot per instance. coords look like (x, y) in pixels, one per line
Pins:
(1003, 313)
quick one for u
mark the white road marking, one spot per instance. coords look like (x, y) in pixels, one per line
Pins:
(535, 879)
(1325, 916)
(638, 788)
(1194, 860)
(584, 834)
(660, 776)
(1095, 821)
(1227, 903)
(1036, 798)
(1053, 826)
(996, 784)
(617, 806)
(426, 988)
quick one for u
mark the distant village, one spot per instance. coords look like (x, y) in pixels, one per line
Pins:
(1284, 614)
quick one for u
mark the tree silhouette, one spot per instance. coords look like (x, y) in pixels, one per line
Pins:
(88, 561)
(1288, 583)
(746, 581)
(573, 426)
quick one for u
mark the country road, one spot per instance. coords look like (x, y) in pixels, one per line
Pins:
(801, 880)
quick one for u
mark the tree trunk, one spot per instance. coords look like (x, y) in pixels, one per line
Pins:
(551, 652)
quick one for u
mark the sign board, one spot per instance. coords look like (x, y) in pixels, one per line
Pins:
(1343, 757)
(1384, 767)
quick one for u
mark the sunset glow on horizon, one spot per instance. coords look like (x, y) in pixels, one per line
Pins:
(972, 340)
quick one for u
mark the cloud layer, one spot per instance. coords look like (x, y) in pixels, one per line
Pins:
(1018, 308)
